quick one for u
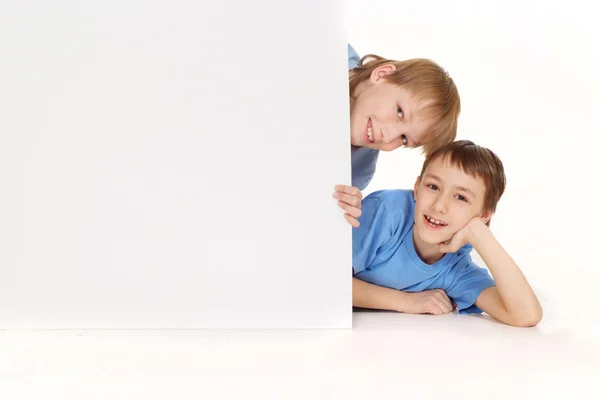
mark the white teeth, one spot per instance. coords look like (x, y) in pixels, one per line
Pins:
(435, 222)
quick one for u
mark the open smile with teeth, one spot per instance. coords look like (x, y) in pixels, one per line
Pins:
(370, 137)
(434, 222)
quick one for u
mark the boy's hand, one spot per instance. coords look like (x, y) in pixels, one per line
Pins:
(434, 302)
(461, 238)
(350, 200)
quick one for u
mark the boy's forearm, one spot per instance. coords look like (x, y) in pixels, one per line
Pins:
(517, 295)
(367, 295)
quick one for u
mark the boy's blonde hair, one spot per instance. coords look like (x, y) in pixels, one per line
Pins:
(478, 162)
(426, 81)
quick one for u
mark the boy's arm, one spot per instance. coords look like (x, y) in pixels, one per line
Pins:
(368, 295)
(512, 301)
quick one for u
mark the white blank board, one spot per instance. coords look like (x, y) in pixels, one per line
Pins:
(170, 165)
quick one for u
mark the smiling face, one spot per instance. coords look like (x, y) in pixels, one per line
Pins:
(447, 198)
(384, 116)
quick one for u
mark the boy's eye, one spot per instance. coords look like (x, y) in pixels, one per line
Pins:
(461, 198)
(404, 140)
(400, 114)
(432, 186)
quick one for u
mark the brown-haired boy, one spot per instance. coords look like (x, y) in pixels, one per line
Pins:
(411, 252)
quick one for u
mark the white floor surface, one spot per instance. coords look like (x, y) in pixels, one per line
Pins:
(386, 355)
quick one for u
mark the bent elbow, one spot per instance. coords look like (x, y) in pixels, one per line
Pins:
(529, 320)
(528, 323)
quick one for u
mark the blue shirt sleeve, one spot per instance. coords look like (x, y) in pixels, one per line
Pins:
(364, 165)
(468, 283)
(374, 231)
(353, 58)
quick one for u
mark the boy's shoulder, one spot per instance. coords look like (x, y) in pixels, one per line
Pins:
(398, 204)
(393, 197)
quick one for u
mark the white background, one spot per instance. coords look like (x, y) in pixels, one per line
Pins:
(171, 165)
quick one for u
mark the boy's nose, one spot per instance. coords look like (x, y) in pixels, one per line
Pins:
(388, 139)
(390, 135)
(440, 206)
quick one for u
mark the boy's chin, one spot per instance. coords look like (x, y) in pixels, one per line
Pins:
(434, 238)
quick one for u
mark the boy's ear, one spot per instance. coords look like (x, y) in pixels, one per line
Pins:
(381, 72)
(486, 216)
(416, 188)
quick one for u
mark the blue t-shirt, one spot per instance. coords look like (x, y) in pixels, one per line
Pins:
(364, 159)
(383, 253)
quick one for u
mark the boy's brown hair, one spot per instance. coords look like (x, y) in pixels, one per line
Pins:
(478, 162)
(425, 80)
